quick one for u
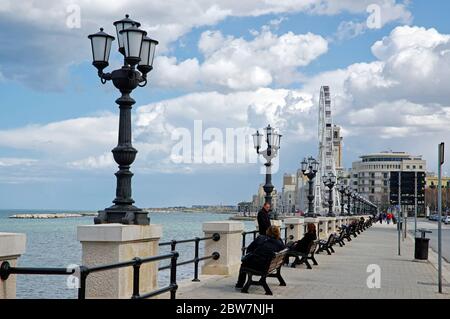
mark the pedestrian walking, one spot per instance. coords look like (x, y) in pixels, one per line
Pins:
(389, 218)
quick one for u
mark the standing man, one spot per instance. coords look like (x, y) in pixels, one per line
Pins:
(263, 219)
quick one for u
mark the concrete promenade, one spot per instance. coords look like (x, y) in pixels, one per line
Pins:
(341, 275)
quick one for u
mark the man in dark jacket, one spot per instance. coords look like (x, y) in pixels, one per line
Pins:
(263, 219)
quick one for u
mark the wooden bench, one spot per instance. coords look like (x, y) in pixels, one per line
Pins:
(301, 257)
(347, 232)
(339, 238)
(327, 245)
(274, 270)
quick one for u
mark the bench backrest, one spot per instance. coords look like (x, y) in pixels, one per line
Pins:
(278, 260)
(313, 247)
(330, 239)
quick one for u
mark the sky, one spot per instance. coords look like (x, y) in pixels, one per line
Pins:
(221, 66)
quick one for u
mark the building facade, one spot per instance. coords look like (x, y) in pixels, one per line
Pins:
(370, 176)
(287, 198)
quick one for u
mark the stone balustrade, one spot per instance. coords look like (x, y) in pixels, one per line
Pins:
(12, 246)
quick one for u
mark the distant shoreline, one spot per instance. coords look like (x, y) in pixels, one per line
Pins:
(71, 214)
(51, 215)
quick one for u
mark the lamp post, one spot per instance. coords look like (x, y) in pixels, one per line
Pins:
(329, 181)
(309, 168)
(342, 192)
(354, 197)
(349, 199)
(138, 51)
(273, 140)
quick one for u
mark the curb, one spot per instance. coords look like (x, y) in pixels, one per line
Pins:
(433, 260)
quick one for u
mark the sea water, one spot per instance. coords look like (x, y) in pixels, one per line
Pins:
(53, 243)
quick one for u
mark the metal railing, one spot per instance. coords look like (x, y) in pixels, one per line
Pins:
(255, 232)
(6, 270)
(197, 259)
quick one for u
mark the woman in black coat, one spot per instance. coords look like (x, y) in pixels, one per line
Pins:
(303, 244)
(260, 252)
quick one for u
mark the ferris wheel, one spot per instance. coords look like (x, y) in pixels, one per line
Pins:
(327, 161)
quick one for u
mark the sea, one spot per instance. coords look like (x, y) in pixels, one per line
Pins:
(53, 243)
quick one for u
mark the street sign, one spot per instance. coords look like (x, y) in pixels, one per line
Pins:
(441, 153)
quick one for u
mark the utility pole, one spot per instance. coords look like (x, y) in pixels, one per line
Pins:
(399, 219)
(415, 204)
(441, 162)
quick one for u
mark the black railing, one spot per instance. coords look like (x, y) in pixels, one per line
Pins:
(6, 270)
(244, 236)
(197, 259)
(255, 232)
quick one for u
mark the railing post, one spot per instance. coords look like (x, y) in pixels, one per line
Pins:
(12, 246)
(229, 247)
(82, 289)
(243, 243)
(196, 262)
(173, 275)
(136, 270)
(113, 243)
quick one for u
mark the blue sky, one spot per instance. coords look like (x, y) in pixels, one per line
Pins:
(229, 64)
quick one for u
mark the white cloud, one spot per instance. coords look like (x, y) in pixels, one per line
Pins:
(350, 29)
(14, 161)
(74, 137)
(403, 108)
(166, 21)
(237, 64)
(94, 162)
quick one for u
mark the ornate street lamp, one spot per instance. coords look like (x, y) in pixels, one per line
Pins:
(354, 197)
(341, 190)
(273, 140)
(138, 51)
(329, 181)
(309, 169)
(349, 197)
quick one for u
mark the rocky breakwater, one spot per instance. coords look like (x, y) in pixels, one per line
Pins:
(49, 215)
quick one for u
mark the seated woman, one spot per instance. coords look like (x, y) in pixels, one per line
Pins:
(303, 244)
(260, 252)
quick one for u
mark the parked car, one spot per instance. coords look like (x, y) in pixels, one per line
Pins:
(434, 217)
(446, 219)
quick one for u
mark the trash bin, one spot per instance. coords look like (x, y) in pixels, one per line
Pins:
(421, 245)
